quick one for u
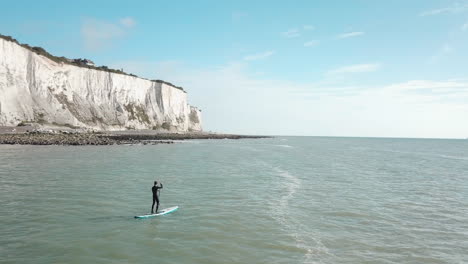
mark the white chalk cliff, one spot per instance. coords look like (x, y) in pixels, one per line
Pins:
(34, 88)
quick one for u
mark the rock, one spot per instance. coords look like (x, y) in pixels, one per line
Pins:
(74, 139)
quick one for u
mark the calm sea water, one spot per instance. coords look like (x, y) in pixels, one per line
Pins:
(282, 200)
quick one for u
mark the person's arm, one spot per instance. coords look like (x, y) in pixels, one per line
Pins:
(161, 185)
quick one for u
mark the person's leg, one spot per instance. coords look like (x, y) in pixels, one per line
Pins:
(152, 206)
(157, 204)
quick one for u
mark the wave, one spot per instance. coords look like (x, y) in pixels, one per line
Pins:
(310, 243)
(187, 141)
(284, 146)
(242, 147)
(453, 157)
(434, 155)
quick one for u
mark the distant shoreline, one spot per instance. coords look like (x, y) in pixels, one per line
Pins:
(24, 136)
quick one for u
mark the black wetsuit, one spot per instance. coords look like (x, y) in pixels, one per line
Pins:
(155, 197)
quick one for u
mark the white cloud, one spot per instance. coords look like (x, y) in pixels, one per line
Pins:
(311, 43)
(437, 87)
(456, 8)
(292, 33)
(128, 22)
(99, 34)
(350, 34)
(235, 101)
(452, 93)
(357, 68)
(295, 32)
(465, 26)
(259, 56)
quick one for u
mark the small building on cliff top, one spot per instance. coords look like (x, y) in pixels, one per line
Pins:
(84, 62)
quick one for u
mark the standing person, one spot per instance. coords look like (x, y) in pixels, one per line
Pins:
(155, 196)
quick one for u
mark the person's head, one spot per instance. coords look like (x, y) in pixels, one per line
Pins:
(155, 183)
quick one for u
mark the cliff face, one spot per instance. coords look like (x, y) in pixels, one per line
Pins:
(35, 88)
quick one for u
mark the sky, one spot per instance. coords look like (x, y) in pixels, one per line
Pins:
(314, 68)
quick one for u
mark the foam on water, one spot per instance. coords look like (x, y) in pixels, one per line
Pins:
(307, 241)
(283, 146)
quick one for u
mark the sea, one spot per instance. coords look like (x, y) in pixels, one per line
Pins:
(273, 200)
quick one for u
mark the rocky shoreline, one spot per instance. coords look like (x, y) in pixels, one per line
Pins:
(69, 139)
(96, 139)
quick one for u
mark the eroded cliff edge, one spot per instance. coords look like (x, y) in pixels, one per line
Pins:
(35, 88)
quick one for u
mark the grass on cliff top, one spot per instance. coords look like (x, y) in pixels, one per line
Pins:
(43, 52)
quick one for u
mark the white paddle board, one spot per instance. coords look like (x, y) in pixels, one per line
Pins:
(161, 212)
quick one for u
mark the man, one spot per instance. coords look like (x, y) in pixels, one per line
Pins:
(155, 196)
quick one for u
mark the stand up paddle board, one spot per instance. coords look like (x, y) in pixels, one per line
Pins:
(162, 212)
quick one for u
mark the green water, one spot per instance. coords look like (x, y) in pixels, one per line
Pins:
(282, 200)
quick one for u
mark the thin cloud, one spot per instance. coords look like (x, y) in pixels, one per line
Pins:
(259, 56)
(447, 48)
(308, 27)
(99, 34)
(292, 33)
(455, 86)
(357, 68)
(465, 27)
(444, 51)
(128, 22)
(351, 34)
(311, 43)
(457, 8)
(449, 91)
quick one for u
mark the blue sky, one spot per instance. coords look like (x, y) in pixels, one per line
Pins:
(323, 68)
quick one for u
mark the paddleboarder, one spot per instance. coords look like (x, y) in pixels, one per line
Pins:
(155, 190)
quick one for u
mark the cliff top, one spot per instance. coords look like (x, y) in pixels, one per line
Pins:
(78, 62)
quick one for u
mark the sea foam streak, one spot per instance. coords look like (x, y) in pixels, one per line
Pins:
(304, 240)
(284, 146)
